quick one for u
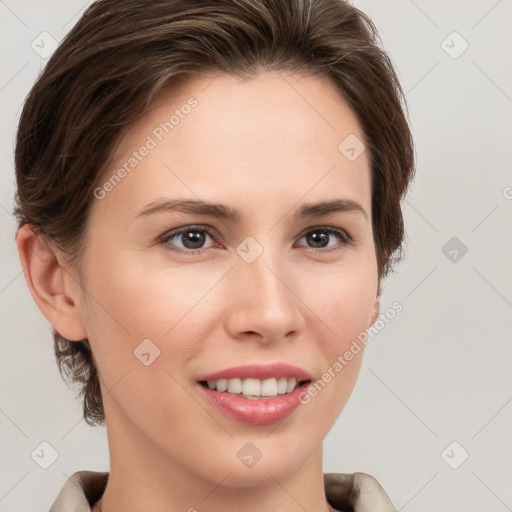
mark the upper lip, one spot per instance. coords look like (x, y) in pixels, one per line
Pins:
(259, 371)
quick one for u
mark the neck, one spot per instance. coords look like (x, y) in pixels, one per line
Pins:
(142, 478)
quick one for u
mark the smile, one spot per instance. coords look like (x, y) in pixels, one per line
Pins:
(254, 389)
(258, 394)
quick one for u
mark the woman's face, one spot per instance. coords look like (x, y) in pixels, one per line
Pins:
(168, 309)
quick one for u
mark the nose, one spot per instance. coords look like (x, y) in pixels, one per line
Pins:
(265, 302)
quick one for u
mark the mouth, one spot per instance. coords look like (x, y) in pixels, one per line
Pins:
(255, 394)
(255, 389)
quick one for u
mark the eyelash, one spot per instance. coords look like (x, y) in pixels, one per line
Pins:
(341, 234)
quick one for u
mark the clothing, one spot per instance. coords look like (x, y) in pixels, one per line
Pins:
(347, 492)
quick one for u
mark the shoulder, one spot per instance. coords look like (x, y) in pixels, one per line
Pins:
(80, 490)
(359, 492)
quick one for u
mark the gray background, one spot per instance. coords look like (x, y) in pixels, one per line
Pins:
(438, 373)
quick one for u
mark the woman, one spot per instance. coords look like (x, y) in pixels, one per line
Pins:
(208, 198)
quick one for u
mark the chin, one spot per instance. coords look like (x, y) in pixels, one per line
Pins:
(263, 474)
(260, 461)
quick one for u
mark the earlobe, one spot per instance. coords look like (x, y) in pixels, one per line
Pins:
(375, 311)
(44, 274)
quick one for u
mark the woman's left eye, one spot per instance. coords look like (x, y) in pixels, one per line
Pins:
(321, 234)
(193, 238)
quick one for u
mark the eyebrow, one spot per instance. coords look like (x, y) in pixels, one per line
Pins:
(223, 212)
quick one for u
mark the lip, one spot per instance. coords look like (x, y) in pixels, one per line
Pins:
(259, 371)
(263, 411)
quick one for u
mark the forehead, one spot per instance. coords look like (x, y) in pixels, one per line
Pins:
(305, 106)
(276, 134)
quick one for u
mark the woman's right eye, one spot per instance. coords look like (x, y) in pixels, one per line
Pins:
(192, 238)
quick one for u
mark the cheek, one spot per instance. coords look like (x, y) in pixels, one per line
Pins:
(179, 305)
(133, 301)
(142, 336)
(349, 306)
(345, 304)
(163, 301)
(345, 307)
(345, 300)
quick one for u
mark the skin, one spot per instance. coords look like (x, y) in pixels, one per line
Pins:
(274, 137)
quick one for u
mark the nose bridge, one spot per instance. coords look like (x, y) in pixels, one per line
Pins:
(265, 302)
(262, 267)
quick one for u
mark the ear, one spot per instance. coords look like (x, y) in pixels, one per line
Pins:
(375, 311)
(56, 297)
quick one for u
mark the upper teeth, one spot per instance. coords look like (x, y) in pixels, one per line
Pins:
(254, 387)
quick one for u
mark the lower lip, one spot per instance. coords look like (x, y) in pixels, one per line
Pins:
(262, 411)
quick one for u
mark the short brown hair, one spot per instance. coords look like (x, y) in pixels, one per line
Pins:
(121, 53)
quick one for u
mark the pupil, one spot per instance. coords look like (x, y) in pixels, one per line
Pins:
(195, 238)
(316, 238)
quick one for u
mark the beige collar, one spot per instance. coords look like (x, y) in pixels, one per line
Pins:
(347, 492)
